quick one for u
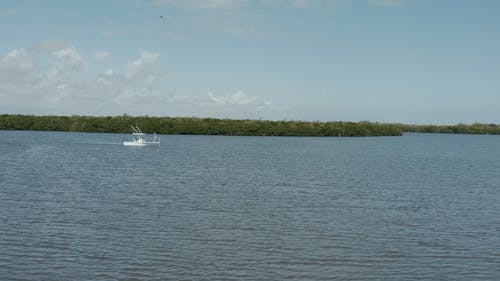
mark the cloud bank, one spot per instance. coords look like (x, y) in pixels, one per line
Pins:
(52, 78)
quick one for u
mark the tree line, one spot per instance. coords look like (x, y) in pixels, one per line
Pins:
(196, 126)
(213, 126)
(476, 128)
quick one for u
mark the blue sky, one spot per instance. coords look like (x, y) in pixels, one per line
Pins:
(411, 61)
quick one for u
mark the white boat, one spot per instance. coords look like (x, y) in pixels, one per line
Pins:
(139, 139)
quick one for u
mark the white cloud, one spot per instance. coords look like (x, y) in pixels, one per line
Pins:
(142, 65)
(223, 105)
(25, 80)
(232, 101)
(144, 71)
(60, 85)
(388, 3)
(236, 99)
(101, 55)
(69, 54)
(52, 46)
(19, 72)
(68, 62)
(19, 61)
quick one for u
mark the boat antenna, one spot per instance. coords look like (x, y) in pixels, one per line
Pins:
(138, 129)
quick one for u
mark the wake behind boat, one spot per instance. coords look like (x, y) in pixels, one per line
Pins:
(139, 139)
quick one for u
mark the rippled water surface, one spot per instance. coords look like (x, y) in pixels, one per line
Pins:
(79, 206)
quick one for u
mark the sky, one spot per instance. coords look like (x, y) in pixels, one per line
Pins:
(404, 61)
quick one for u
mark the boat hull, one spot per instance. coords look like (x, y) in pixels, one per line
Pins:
(135, 143)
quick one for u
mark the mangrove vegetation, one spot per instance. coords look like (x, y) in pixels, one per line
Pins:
(476, 128)
(195, 126)
(212, 126)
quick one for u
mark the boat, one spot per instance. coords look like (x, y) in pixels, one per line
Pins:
(139, 138)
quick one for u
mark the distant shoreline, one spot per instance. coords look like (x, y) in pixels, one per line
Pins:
(229, 127)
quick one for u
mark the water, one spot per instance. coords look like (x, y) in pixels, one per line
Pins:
(80, 206)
